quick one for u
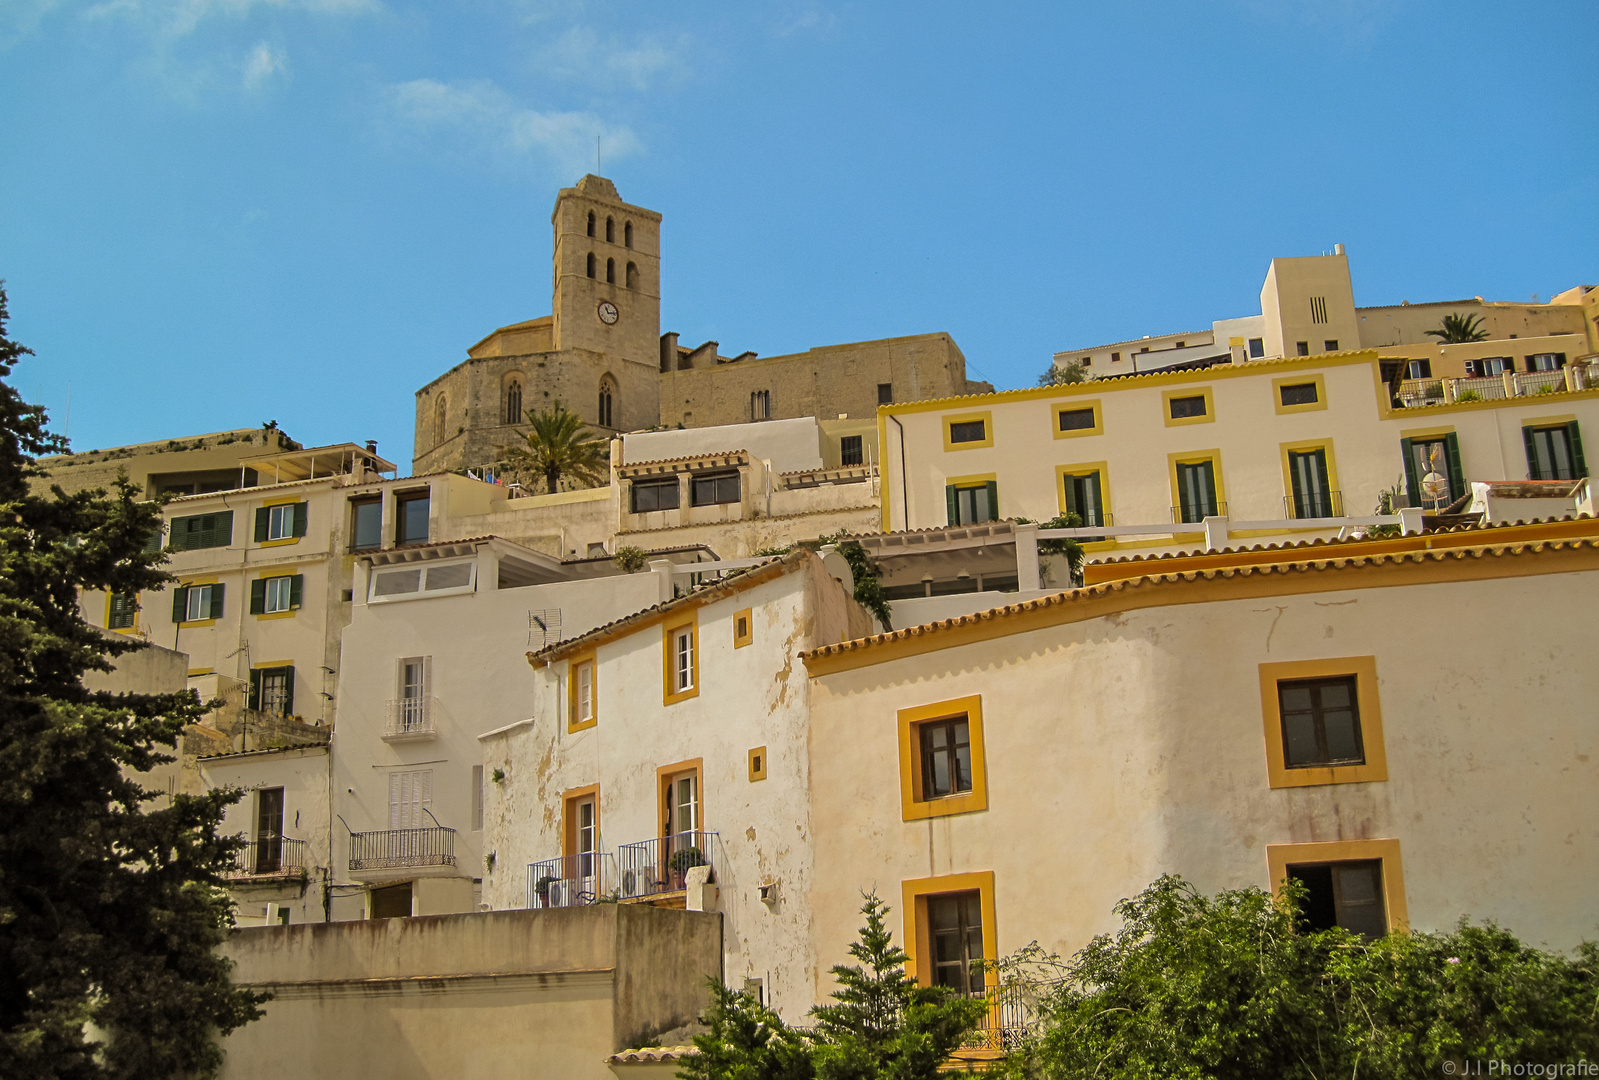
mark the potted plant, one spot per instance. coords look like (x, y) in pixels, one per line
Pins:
(682, 860)
(542, 887)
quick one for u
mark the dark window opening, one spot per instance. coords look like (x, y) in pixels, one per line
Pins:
(760, 404)
(1307, 471)
(202, 531)
(1346, 894)
(591, 264)
(272, 690)
(610, 271)
(1549, 361)
(606, 416)
(1321, 722)
(1084, 498)
(1330, 345)
(974, 504)
(1302, 348)
(968, 431)
(411, 518)
(1299, 394)
(392, 901)
(1554, 453)
(1076, 419)
(591, 226)
(955, 927)
(649, 495)
(849, 450)
(715, 488)
(946, 753)
(124, 610)
(366, 524)
(1257, 348)
(627, 234)
(885, 393)
(513, 402)
(610, 230)
(1418, 369)
(1182, 407)
(268, 831)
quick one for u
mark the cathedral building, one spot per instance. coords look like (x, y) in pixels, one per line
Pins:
(601, 353)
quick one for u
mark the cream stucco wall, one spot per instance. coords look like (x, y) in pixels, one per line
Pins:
(302, 773)
(754, 696)
(1131, 745)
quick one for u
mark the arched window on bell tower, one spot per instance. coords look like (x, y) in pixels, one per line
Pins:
(513, 401)
(627, 234)
(607, 413)
(610, 271)
(591, 264)
(610, 230)
(591, 223)
(632, 275)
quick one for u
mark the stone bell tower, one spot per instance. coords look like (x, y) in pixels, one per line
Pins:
(607, 275)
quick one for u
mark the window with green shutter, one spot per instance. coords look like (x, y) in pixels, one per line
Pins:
(272, 690)
(202, 531)
(124, 611)
(283, 522)
(1085, 498)
(1439, 454)
(197, 603)
(1196, 491)
(971, 504)
(272, 595)
(1554, 453)
(1307, 471)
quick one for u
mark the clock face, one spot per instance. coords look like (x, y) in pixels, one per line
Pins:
(608, 313)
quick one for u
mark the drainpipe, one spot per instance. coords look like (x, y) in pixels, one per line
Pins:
(904, 487)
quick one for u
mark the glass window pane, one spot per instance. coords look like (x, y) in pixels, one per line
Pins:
(1299, 739)
(1296, 698)
(1343, 740)
(963, 770)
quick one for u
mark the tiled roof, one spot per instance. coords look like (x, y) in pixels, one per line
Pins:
(652, 1054)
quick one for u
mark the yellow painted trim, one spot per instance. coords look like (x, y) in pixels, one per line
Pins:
(197, 624)
(663, 774)
(280, 543)
(1290, 573)
(1427, 432)
(758, 763)
(1364, 669)
(1077, 406)
(1193, 457)
(1299, 380)
(1279, 857)
(1487, 403)
(915, 930)
(195, 673)
(1083, 468)
(668, 628)
(1166, 397)
(569, 799)
(916, 808)
(748, 638)
(987, 417)
(262, 616)
(1549, 421)
(283, 500)
(273, 663)
(1284, 449)
(138, 609)
(204, 579)
(572, 665)
(974, 480)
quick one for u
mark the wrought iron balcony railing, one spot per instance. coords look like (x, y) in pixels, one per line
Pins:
(571, 881)
(269, 856)
(661, 865)
(1196, 513)
(392, 849)
(1314, 504)
(410, 718)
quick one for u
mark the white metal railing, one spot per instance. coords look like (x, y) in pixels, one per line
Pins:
(1418, 393)
(410, 718)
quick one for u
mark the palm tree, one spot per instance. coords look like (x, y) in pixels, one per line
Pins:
(1458, 329)
(558, 445)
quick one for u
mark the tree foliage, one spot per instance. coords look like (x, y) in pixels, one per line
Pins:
(881, 1025)
(556, 444)
(1070, 549)
(1459, 329)
(110, 910)
(868, 575)
(1231, 987)
(1066, 374)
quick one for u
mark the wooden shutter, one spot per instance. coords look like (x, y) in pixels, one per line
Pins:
(216, 600)
(296, 590)
(180, 601)
(1532, 453)
(1579, 464)
(1295, 467)
(258, 589)
(951, 504)
(302, 517)
(1185, 503)
(1412, 481)
(1457, 475)
(263, 519)
(993, 500)
(396, 782)
(1207, 472)
(1072, 504)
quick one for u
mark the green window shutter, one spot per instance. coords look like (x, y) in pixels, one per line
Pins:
(258, 596)
(1072, 506)
(1097, 497)
(1207, 475)
(263, 518)
(288, 693)
(1296, 470)
(216, 600)
(255, 689)
(993, 500)
(1457, 474)
(154, 542)
(302, 517)
(180, 600)
(951, 504)
(222, 532)
(1412, 481)
(1532, 454)
(296, 590)
(1579, 464)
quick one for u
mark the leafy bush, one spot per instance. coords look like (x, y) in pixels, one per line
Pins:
(629, 559)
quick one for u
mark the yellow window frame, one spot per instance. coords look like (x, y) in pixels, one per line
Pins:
(758, 763)
(1166, 397)
(137, 611)
(669, 630)
(986, 416)
(1076, 406)
(284, 501)
(1299, 380)
(913, 806)
(1299, 447)
(1364, 669)
(1083, 468)
(1194, 457)
(915, 893)
(748, 636)
(198, 624)
(1279, 857)
(573, 666)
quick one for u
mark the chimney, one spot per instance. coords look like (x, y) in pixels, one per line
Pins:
(372, 446)
(1338, 249)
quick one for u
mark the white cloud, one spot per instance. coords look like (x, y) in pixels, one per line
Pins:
(179, 18)
(809, 20)
(580, 53)
(480, 119)
(263, 63)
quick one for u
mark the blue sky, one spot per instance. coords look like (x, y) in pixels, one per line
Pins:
(215, 213)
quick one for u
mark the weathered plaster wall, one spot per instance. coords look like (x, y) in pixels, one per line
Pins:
(303, 776)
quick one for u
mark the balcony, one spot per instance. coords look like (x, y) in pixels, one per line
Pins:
(269, 858)
(571, 881)
(1011, 1019)
(1194, 515)
(410, 719)
(1313, 504)
(397, 849)
(660, 866)
(1418, 393)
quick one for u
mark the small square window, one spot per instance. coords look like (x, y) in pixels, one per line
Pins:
(1298, 394)
(1257, 348)
(1330, 345)
(1302, 348)
(1320, 722)
(850, 451)
(279, 594)
(1184, 407)
(968, 431)
(758, 764)
(743, 628)
(1115, 357)
(1077, 419)
(885, 393)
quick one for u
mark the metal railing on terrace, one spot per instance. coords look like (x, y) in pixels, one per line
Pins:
(1195, 513)
(410, 718)
(1314, 504)
(661, 865)
(572, 880)
(270, 856)
(1010, 1020)
(393, 849)
(1418, 393)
